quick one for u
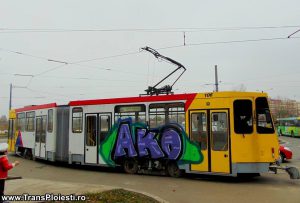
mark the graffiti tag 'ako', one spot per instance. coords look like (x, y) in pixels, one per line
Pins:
(170, 143)
(127, 139)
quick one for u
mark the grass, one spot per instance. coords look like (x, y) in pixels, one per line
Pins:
(118, 196)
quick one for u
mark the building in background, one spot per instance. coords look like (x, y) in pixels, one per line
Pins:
(282, 108)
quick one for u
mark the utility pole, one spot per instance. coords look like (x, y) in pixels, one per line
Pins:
(10, 95)
(216, 78)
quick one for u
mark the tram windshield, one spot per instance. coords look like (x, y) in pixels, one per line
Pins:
(243, 122)
(263, 116)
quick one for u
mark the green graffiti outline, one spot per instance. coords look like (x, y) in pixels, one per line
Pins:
(191, 153)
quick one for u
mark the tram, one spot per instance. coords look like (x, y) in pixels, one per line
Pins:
(223, 133)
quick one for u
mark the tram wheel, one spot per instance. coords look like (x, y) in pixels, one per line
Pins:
(173, 170)
(28, 154)
(130, 166)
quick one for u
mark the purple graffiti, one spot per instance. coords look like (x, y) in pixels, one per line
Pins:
(169, 146)
(125, 142)
(147, 141)
(171, 143)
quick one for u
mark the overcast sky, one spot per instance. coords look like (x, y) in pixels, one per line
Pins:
(100, 41)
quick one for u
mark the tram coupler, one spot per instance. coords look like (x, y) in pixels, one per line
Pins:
(291, 170)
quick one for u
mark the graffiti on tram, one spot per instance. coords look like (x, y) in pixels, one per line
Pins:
(127, 139)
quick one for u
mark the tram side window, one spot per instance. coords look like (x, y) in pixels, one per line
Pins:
(243, 121)
(161, 114)
(176, 113)
(199, 129)
(136, 112)
(50, 121)
(263, 116)
(43, 129)
(38, 128)
(77, 120)
(21, 121)
(104, 127)
(30, 121)
(219, 128)
(157, 115)
(91, 130)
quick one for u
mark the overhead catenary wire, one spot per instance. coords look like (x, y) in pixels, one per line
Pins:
(32, 56)
(69, 63)
(160, 48)
(130, 53)
(107, 57)
(89, 78)
(49, 94)
(49, 70)
(76, 78)
(64, 63)
(143, 29)
(228, 42)
(58, 96)
(293, 33)
(41, 74)
(191, 44)
(167, 29)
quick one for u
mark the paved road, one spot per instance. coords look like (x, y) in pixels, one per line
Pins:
(267, 188)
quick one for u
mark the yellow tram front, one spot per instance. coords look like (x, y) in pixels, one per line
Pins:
(235, 131)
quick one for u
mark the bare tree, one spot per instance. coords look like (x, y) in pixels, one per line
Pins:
(3, 123)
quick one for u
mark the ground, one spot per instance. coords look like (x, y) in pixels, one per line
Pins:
(193, 188)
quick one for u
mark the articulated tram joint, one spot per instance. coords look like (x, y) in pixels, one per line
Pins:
(291, 170)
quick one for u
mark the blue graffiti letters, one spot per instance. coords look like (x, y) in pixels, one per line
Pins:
(154, 144)
(171, 143)
(125, 142)
(146, 141)
(138, 141)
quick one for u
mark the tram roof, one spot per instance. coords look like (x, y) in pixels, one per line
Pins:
(36, 107)
(154, 98)
(189, 96)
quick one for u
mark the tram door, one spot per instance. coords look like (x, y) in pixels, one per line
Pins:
(104, 123)
(40, 137)
(91, 138)
(96, 129)
(220, 154)
(210, 129)
(199, 132)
